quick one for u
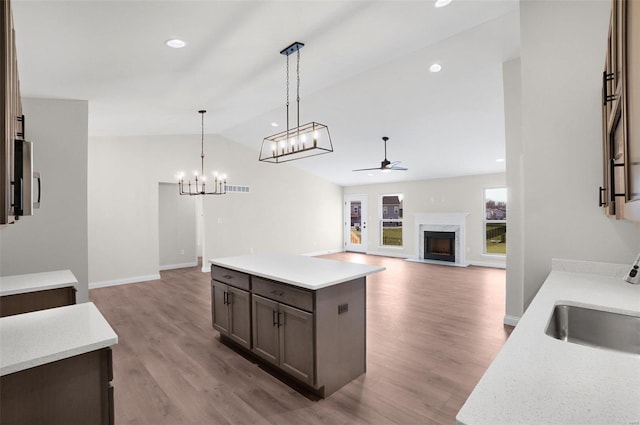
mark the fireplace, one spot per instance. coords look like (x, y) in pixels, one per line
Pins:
(440, 246)
(448, 248)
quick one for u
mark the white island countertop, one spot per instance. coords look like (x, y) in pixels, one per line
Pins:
(32, 282)
(33, 339)
(536, 379)
(298, 270)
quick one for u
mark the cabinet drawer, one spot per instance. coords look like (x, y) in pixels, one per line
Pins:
(283, 293)
(230, 277)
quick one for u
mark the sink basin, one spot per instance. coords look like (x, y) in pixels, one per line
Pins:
(595, 328)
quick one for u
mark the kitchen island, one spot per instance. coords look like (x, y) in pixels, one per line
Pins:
(537, 379)
(304, 316)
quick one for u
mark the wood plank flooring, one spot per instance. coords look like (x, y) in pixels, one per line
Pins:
(432, 331)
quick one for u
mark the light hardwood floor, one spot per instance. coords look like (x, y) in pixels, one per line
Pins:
(432, 331)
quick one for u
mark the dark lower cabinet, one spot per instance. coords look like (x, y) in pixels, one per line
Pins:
(38, 300)
(231, 312)
(283, 336)
(76, 390)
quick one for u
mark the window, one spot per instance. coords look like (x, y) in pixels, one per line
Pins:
(391, 222)
(495, 221)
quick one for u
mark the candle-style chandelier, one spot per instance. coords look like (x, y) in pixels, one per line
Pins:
(199, 186)
(302, 141)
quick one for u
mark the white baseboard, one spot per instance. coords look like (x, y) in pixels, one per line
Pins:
(206, 268)
(178, 266)
(387, 254)
(325, 252)
(104, 284)
(485, 264)
(510, 320)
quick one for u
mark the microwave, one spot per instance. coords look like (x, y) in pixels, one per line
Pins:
(25, 180)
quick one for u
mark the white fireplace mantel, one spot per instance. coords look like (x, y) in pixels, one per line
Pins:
(446, 222)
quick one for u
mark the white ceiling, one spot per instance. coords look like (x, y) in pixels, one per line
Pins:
(364, 73)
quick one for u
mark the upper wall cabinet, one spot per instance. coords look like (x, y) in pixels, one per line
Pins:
(620, 192)
(10, 121)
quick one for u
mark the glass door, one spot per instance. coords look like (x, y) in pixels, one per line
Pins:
(355, 223)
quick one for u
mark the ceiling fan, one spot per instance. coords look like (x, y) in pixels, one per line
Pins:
(385, 165)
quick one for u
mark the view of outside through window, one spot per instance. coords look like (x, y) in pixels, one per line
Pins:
(495, 223)
(391, 223)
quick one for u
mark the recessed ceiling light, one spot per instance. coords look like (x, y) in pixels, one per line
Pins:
(442, 3)
(500, 160)
(175, 43)
(436, 67)
(274, 124)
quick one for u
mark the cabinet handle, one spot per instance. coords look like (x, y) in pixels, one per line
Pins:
(278, 293)
(279, 323)
(229, 298)
(274, 317)
(600, 202)
(606, 97)
(224, 298)
(227, 276)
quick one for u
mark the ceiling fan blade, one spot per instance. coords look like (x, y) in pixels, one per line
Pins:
(367, 169)
(393, 164)
(398, 168)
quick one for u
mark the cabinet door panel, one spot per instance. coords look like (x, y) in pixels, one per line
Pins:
(296, 343)
(239, 316)
(265, 329)
(219, 310)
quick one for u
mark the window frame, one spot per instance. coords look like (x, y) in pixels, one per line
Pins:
(485, 221)
(384, 211)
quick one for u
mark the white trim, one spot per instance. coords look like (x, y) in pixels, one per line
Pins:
(103, 284)
(386, 254)
(511, 320)
(178, 266)
(206, 268)
(325, 252)
(485, 264)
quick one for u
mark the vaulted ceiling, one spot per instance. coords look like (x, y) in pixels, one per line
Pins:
(364, 73)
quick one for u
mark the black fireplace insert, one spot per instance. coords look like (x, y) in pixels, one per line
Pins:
(440, 246)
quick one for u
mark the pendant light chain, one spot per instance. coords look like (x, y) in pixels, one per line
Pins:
(202, 144)
(298, 87)
(287, 90)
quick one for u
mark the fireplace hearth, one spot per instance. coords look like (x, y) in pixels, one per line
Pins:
(440, 246)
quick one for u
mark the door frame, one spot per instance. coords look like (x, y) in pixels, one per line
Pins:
(348, 246)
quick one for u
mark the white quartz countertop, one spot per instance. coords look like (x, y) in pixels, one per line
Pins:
(23, 283)
(536, 379)
(298, 270)
(32, 339)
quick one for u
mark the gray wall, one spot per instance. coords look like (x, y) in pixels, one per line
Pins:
(456, 194)
(563, 48)
(55, 238)
(176, 228)
(287, 210)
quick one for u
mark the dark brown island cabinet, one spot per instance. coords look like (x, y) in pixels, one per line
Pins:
(307, 330)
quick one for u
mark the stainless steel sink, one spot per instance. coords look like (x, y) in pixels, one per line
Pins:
(595, 328)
